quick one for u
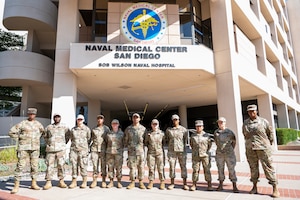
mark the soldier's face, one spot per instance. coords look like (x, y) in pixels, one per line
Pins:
(79, 122)
(199, 128)
(154, 126)
(136, 119)
(252, 114)
(31, 116)
(221, 125)
(175, 122)
(57, 119)
(115, 126)
(100, 120)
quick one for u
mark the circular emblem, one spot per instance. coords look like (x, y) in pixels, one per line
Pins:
(143, 23)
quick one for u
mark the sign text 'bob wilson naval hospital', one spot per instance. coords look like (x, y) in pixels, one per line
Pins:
(122, 56)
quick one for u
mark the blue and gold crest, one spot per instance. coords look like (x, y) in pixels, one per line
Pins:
(143, 23)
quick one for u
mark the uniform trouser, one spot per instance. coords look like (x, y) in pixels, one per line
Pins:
(23, 155)
(172, 157)
(114, 162)
(98, 159)
(79, 159)
(264, 156)
(53, 158)
(230, 160)
(196, 162)
(157, 160)
(136, 163)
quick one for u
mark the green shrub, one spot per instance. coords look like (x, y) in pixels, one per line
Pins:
(8, 155)
(285, 135)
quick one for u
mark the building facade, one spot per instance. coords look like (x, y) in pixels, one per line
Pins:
(198, 58)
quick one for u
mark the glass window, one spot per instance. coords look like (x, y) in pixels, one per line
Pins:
(101, 26)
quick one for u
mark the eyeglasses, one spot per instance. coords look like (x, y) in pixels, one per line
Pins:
(79, 119)
(174, 119)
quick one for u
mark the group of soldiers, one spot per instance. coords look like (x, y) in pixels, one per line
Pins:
(106, 147)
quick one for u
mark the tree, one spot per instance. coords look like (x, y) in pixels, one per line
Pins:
(10, 41)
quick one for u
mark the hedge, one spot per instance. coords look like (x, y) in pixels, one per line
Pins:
(285, 135)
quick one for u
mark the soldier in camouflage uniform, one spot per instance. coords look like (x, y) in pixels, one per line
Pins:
(55, 138)
(200, 142)
(27, 133)
(80, 137)
(114, 153)
(154, 140)
(176, 137)
(98, 151)
(225, 141)
(134, 141)
(259, 138)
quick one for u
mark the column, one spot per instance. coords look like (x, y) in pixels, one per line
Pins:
(94, 109)
(64, 87)
(183, 115)
(265, 110)
(293, 119)
(282, 114)
(228, 91)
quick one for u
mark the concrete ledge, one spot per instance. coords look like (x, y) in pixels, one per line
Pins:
(288, 147)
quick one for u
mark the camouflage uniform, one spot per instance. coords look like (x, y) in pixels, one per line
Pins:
(259, 137)
(55, 138)
(98, 149)
(155, 154)
(114, 153)
(225, 141)
(176, 139)
(134, 141)
(201, 143)
(79, 150)
(28, 134)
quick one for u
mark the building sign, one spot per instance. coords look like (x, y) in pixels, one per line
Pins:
(143, 23)
(131, 56)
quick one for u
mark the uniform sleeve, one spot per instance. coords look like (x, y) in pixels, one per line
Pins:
(126, 137)
(15, 131)
(233, 139)
(185, 136)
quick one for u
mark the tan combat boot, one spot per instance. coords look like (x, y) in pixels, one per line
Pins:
(170, 187)
(162, 185)
(254, 189)
(209, 187)
(119, 184)
(48, 185)
(150, 185)
(84, 182)
(193, 188)
(73, 183)
(235, 189)
(94, 183)
(185, 187)
(16, 187)
(103, 184)
(141, 185)
(276, 193)
(62, 184)
(131, 185)
(34, 185)
(111, 183)
(220, 187)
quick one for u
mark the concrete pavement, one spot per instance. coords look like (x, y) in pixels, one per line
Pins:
(286, 163)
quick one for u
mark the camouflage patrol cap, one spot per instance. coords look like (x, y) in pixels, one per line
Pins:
(80, 117)
(221, 119)
(199, 123)
(56, 115)
(32, 111)
(115, 121)
(100, 116)
(155, 121)
(175, 117)
(136, 114)
(251, 107)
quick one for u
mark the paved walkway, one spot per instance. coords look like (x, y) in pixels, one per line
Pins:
(286, 163)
